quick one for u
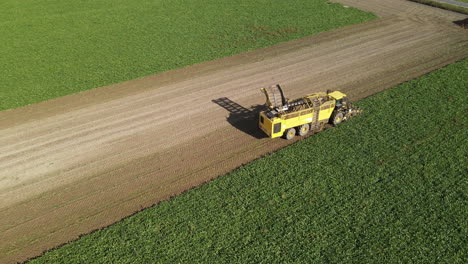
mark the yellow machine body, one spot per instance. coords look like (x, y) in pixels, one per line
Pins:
(313, 111)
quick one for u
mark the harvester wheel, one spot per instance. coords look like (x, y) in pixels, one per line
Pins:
(304, 129)
(290, 133)
(337, 118)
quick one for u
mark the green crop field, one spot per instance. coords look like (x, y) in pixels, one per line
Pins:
(52, 48)
(386, 187)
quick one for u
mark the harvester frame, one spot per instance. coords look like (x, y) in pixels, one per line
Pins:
(310, 113)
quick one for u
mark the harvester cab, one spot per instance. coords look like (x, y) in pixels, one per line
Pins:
(344, 109)
(309, 113)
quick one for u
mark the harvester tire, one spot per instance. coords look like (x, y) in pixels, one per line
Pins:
(337, 118)
(304, 129)
(290, 133)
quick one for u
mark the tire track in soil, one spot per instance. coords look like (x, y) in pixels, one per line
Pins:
(82, 162)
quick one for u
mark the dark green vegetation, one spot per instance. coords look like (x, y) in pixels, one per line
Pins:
(387, 187)
(52, 48)
(444, 5)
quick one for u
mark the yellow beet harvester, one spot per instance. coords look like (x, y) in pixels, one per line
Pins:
(310, 113)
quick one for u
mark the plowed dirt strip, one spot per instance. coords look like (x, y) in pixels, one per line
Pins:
(81, 162)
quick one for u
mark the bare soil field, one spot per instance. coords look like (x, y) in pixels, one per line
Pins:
(81, 162)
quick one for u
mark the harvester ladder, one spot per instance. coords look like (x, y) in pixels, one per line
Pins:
(315, 121)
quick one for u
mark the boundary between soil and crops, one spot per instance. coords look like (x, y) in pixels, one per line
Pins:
(65, 48)
(202, 186)
(445, 6)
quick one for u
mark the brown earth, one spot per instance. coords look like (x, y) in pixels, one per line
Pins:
(82, 162)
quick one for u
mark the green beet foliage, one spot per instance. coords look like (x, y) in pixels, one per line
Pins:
(52, 48)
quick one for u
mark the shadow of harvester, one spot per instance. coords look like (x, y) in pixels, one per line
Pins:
(462, 23)
(246, 120)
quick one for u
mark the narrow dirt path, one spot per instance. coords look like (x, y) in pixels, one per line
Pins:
(81, 162)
